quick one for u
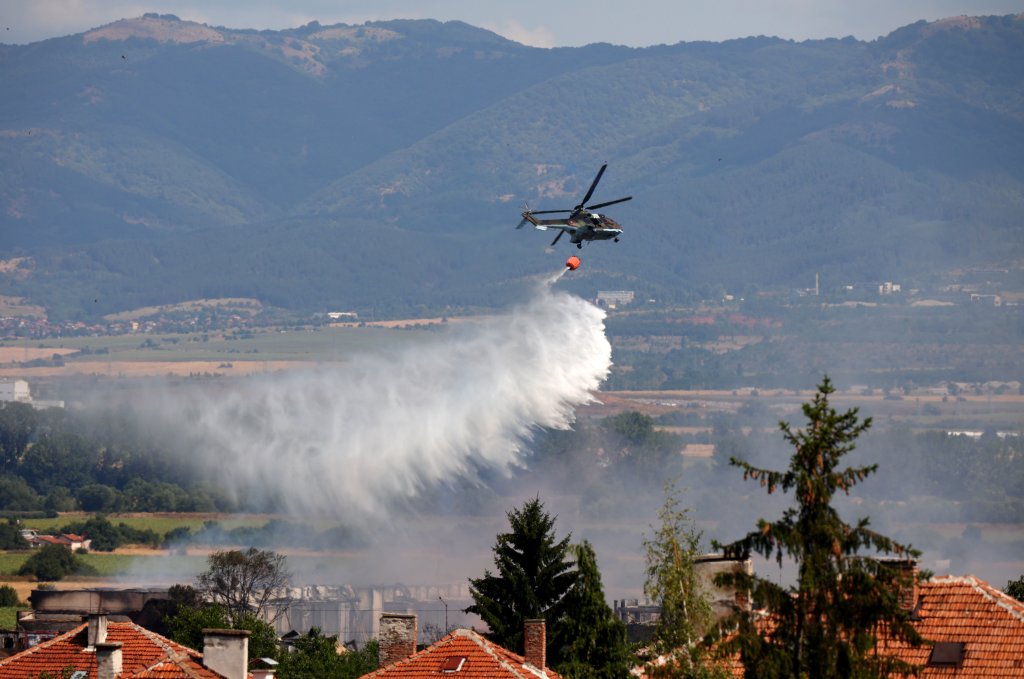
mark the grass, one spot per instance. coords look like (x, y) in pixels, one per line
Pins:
(159, 523)
(8, 617)
(305, 345)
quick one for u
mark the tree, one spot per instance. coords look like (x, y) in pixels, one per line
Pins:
(53, 562)
(190, 619)
(316, 657)
(672, 582)
(594, 640)
(828, 625)
(8, 597)
(244, 582)
(534, 575)
(1015, 588)
(10, 536)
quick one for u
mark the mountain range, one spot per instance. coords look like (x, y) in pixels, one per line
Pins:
(383, 166)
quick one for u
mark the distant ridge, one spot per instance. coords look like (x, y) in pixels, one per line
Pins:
(155, 160)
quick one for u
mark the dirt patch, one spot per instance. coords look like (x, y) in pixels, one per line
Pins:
(16, 354)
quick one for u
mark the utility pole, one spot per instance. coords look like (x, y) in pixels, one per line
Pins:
(445, 614)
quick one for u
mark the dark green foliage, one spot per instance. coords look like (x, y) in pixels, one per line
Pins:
(188, 622)
(17, 495)
(106, 537)
(96, 497)
(593, 640)
(534, 575)
(316, 657)
(191, 617)
(827, 625)
(101, 462)
(8, 597)
(10, 536)
(1015, 588)
(53, 562)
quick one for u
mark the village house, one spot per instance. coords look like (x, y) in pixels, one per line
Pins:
(971, 630)
(103, 649)
(69, 540)
(462, 654)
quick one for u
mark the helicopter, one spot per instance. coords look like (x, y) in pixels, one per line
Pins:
(582, 224)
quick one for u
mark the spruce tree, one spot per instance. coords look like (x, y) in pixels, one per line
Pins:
(534, 574)
(828, 624)
(593, 640)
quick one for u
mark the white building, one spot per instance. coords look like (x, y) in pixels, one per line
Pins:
(15, 390)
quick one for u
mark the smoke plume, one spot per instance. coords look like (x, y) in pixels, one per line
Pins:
(359, 438)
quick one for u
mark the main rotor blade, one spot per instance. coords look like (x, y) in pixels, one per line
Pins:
(611, 202)
(592, 186)
(560, 232)
(547, 212)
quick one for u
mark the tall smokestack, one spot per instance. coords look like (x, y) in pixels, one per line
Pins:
(397, 637)
(535, 643)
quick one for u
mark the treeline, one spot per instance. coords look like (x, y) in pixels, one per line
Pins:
(788, 346)
(56, 460)
(616, 461)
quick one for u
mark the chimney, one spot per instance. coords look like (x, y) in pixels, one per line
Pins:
(906, 572)
(97, 630)
(397, 637)
(724, 600)
(226, 652)
(108, 660)
(535, 643)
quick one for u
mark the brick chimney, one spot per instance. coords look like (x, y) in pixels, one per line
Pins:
(907, 590)
(535, 643)
(226, 652)
(108, 660)
(397, 637)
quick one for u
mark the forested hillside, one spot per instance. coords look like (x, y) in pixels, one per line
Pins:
(383, 166)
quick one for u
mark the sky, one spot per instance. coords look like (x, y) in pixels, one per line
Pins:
(540, 23)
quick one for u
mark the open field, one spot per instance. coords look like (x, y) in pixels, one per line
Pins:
(144, 355)
(159, 523)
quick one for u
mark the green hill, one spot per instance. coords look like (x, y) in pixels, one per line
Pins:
(384, 165)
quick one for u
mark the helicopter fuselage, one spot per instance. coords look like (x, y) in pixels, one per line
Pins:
(583, 226)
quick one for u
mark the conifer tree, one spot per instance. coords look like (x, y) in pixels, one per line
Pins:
(594, 640)
(828, 624)
(534, 574)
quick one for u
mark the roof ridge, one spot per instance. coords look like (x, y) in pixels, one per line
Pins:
(46, 644)
(493, 649)
(998, 597)
(174, 655)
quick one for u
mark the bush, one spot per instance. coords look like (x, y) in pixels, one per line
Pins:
(8, 597)
(10, 536)
(53, 562)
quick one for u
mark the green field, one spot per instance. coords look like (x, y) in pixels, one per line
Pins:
(324, 344)
(8, 617)
(105, 564)
(159, 523)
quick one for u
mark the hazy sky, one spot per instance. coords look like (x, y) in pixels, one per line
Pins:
(542, 23)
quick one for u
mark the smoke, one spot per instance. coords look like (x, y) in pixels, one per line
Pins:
(363, 437)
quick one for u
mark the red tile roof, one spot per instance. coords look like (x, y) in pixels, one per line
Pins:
(962, 610)
(967, 610)
(484, 660)
(145, 655)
